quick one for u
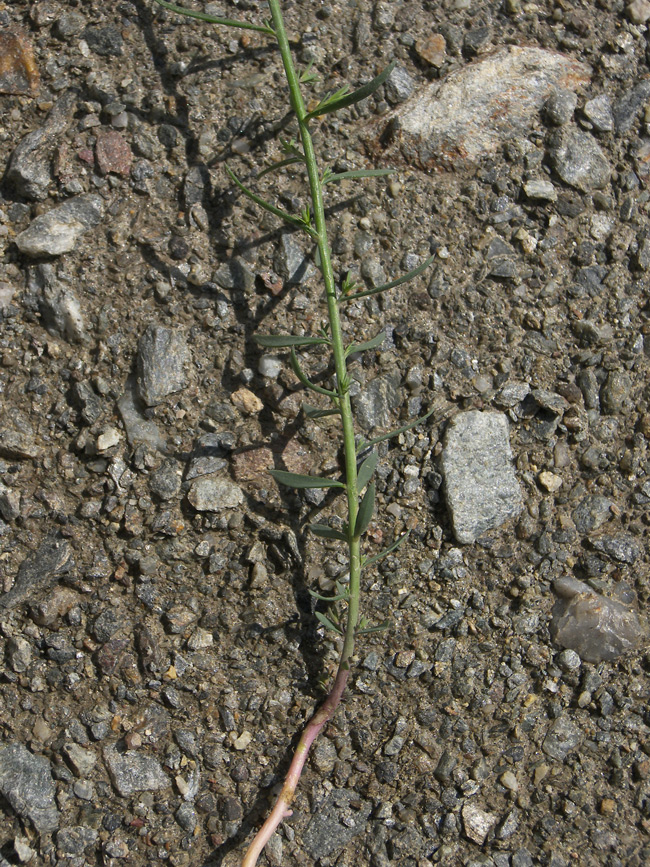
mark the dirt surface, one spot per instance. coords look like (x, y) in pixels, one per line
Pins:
(159, 647)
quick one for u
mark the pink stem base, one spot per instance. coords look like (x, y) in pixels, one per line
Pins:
(282, 810)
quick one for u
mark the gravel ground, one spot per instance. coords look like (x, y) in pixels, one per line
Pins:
(159, 648)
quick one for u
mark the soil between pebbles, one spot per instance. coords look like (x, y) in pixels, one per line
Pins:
(159, 649)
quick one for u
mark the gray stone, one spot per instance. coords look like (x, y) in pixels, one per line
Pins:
(375, 404)
(57, 303)
(290, 261)
(88, 401)
(163, 357)
(187, 818)
(139, 430)
(559, 107)
(598, 112)
(59, 230)
(562, 737)
(335, 823)
(81, 761)
(591, 512)
(473, 111)
(26, 783)
(578, 160)
(213, 494)
(73, 842)
(595, 626)
(133, 772)
(107, 624)
(399, 86)
(614, 392)
(480, 484)
(106, 41)
(28, 171)
(38, 570)
(235, 274)
(9, 503)
(165, 482)
(623, 547)
(630, 105)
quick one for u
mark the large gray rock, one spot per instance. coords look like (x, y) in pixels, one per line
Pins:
(59, 230)
(39, 570)
(26, 783)
(480, 484)
(470, 113)
(335, 823)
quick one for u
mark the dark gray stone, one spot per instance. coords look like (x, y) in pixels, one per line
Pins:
(29, 168)
(614, 392)
(629, 106)
(165, 482)
(623, 548)
(59, 230)
(163, 357)
(139, 430)
(53, 558)
(73, 842)
(562, 737)
(336, 823)
(105, 41)
(598, 112)
(559, 107)
(591, 512)
(578, 160)
(480, 484)
(26, 783)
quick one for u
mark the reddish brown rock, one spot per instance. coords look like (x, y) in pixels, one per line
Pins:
(113, 153)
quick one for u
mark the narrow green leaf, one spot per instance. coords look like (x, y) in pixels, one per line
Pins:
(368, 561)
(342, 98)
(375, 343)
(381, 627)
(327, 623)
(399, 430)
(366, 510)
(386, 286)
(348, 285)
(337, 598)
(293, 221)
(227, 22)
(290, 161)
(297, 369)
(327, 532)
(366, 470)
(297, 480)
(315, 413)
(277, 341)
(358, 173)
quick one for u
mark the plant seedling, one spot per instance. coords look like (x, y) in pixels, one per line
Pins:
(344, 617)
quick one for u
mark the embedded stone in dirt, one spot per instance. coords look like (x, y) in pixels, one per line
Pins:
(472, 112)
(26, 782)
(481, 487)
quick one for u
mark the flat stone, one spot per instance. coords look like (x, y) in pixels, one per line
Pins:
(81, 761)
(472, 112)
(113, 154)
(481, 488)
(596, 627)
(336, 823)
(540, 189)
(163, 357)
(638, 11)
(53, 558)
(213, 494)
(133, 772)
(57, 303)
(139, 430)
(246, 401)
(26, 783)
(378, 400)
(562, 737)
(623, 548)
(73, 842)
(477, 823)
(578, 160)
(29, 169)
(59, 230)
(591, 512)
(598, 112)
(559, 107)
